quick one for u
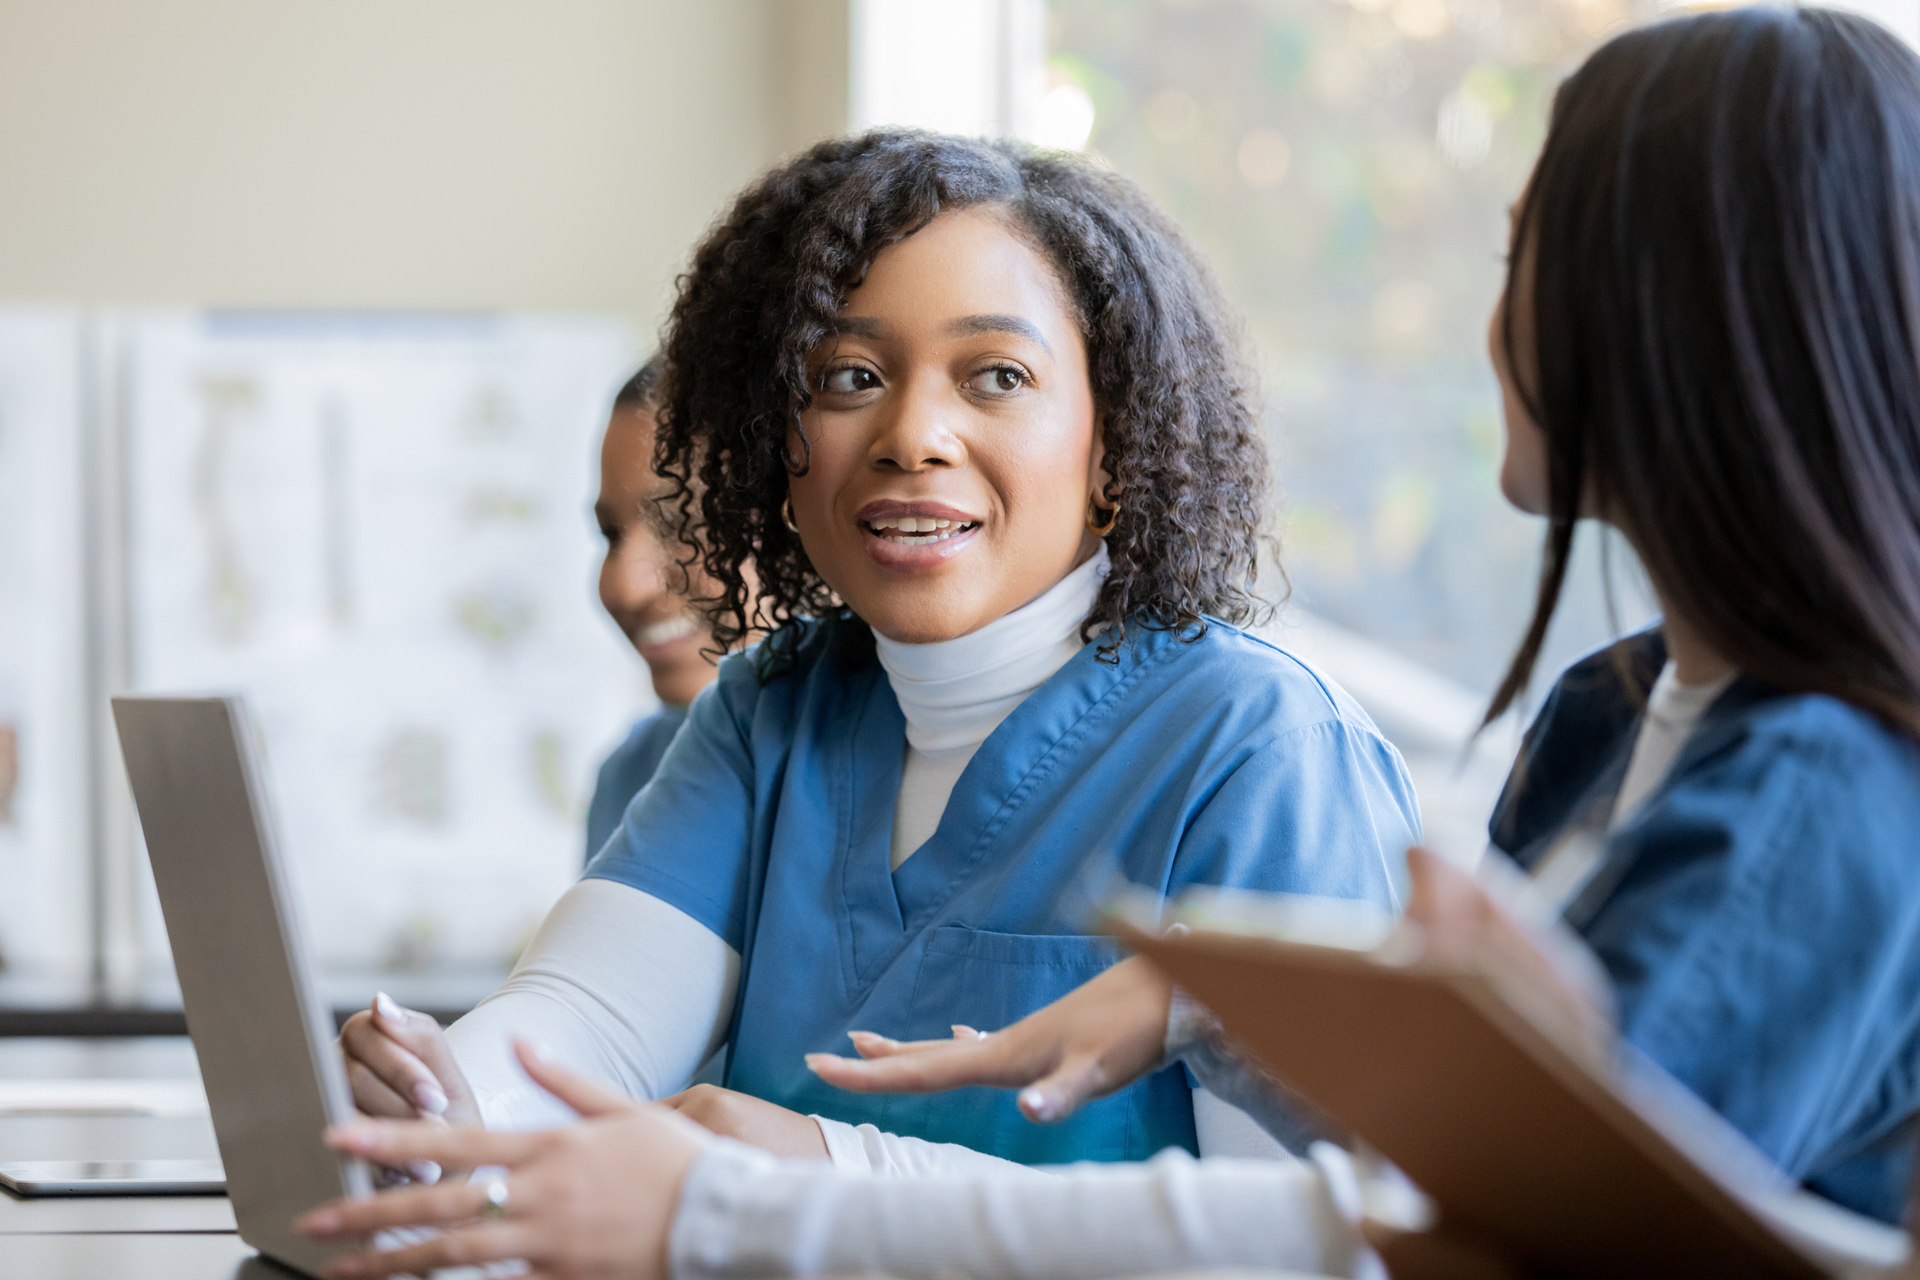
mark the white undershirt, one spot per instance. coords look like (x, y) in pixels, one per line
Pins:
(1673, 710)
(954, 693)
(632, 991)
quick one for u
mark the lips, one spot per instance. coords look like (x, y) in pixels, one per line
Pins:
(914, 524)
(915, 536)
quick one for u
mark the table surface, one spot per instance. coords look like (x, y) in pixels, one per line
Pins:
(177, 1256)
(106, 1237)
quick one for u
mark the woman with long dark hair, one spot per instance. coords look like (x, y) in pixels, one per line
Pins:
(1709, 340)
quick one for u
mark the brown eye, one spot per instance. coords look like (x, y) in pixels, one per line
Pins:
(1000, 380)
(849, 380)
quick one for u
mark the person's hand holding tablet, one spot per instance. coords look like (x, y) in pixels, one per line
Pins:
(590, 1199)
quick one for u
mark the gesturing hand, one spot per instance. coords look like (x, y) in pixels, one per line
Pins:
(1094, 1040)
(594, 1199)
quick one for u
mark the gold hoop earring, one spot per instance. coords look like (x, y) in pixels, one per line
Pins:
(786, 514)
(1111, 513)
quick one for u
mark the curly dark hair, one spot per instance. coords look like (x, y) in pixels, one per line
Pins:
(1183, 445)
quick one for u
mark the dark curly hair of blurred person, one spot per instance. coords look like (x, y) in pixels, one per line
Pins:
(1183, 445)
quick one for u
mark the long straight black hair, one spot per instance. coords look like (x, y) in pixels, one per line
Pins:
(1723, 231)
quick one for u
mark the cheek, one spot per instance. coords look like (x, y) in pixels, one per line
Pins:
(1523, 468)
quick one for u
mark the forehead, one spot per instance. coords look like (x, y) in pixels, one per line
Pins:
(966, 263)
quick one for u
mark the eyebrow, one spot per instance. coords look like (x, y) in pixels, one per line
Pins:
(965, 326)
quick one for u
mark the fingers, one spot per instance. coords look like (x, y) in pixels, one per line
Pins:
(468, 1246)
(578, 1092)
(399, 1144)
(374, 1096)
(1064, 1091)
(420, 1035)
(370, 1039)
(403, 1207)
(929, 1067)
(869, 1045)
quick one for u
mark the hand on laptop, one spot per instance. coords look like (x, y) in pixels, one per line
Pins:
(590, 1199)
(401, 1067)
(1089, 1043)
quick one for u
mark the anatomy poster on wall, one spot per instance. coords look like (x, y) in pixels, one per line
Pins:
(376, 528)
(43, 646)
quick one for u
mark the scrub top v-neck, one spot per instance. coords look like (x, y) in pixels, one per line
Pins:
(1219, 760)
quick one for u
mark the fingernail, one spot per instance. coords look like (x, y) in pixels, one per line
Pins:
(541, 1050)
(1037, 1104)
(430, 1099)
(388, 1008)
(815, 1060)
(424, 1171)
(961, 1031)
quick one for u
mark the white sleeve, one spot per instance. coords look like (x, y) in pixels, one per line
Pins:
(744, 1213)
(865, 1149)
(617, 985)
(1222, 1129)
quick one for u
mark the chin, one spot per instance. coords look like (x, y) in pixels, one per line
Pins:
(1526, 493)
(917, 626)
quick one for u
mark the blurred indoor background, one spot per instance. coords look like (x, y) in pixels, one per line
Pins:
(310, 316)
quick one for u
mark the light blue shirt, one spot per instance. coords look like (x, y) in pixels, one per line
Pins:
(1220, 761)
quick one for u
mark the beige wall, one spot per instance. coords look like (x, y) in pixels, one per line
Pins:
(392, 153)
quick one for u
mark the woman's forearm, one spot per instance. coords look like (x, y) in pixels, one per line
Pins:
(744, 1213)
(617, 985)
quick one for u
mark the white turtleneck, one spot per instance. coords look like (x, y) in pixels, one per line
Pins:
(954, 693)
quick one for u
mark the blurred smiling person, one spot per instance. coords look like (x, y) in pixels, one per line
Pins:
(644, 590)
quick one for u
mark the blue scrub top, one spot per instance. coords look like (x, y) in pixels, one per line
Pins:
(628, 768)
(1759, 915)
(1220, 761)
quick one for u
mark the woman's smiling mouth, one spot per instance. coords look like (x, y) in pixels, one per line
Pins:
(916, 531)
(914, 535)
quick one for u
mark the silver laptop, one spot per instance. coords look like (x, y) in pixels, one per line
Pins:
(265, 1043)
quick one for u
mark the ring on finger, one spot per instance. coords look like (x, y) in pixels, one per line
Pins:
(494, 1199)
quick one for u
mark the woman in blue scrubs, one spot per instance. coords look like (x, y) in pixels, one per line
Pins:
(977, 417)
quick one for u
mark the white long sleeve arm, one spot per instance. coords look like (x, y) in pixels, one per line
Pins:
(743, 1213)
(617, 985)
(1222, 1129)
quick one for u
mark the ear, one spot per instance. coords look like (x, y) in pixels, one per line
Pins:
(1100, 486)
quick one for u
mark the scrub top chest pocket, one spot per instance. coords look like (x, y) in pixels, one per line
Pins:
(991, 980)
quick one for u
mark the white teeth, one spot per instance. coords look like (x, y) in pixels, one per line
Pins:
(662, 632)
(917, 531)
(911, 524)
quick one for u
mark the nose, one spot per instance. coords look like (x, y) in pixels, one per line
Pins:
(915, 429)
(634, 575)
